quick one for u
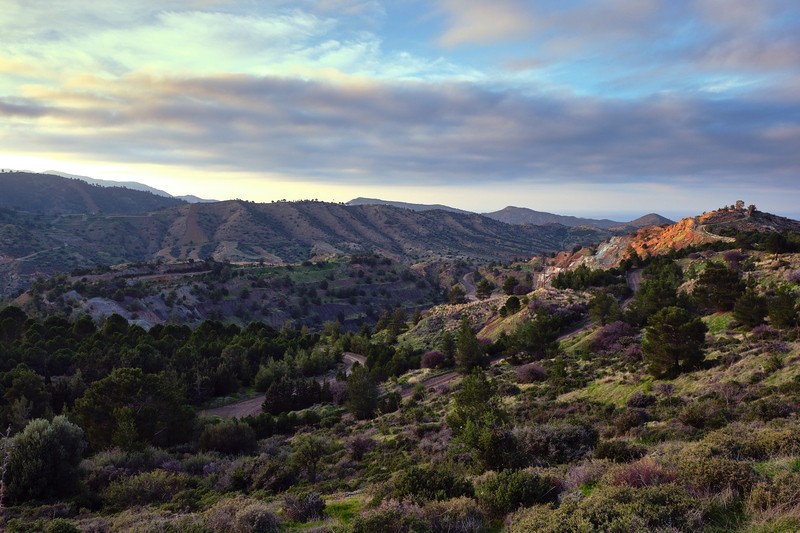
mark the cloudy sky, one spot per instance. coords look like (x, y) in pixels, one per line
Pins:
(593, 107)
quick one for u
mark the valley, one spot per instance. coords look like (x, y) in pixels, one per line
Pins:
(305, 366)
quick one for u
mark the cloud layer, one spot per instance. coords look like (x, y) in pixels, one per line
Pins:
(359, 92)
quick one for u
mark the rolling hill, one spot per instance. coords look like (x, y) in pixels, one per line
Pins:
(56, 195)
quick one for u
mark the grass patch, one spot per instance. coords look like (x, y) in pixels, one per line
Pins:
(344, 510)
(718, 323)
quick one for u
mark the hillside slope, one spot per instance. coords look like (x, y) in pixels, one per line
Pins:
(56, 195)
(275, 233)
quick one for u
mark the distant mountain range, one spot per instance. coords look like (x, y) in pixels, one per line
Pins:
(135, 185)
(523, 215)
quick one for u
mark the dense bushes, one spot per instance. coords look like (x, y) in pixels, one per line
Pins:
(43, 459)
(616, 508)
(228, 436)
(501, 493)
(426, 483)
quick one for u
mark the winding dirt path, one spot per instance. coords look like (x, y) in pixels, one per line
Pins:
(252, 406)
(469, 287)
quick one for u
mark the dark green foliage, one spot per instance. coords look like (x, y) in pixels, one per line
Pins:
(426, 483)
(504, 492)
(673, 342)
(161, 415)
(659, 289)
(618, 509)
(604, 309)
(619, 451)
(294, 394)
(362, 393)
(484, 289)
(468, 352)
(479, 421)
(718, 287)
(44, 460)
(750, 309)
(512, 304)
(228, 436)
(308, 451)
(537, 338)
(582, 277)
(783, 309)
(509, 284)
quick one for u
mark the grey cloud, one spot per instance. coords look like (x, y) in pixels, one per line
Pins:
(418, 133)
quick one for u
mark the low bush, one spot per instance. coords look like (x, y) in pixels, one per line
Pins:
(554, 444)
(239, 514)
(506, 491)
(433, 359)
(459, 515)
(304, 507)
(615, 508)
(619, 451)
(643, 473)
(146, 488)
(391, 516)
(425, 483)
(531, 372)
(229, 436)
(715, 474)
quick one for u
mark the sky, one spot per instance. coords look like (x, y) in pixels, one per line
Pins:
(588, 107)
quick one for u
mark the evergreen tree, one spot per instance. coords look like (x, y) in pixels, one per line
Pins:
(509, 284)
(484, 289)
(362, 393)
(673, 342)
(782, 309)
(604, 308)
(718, 287)
(750, 309)
(468, 349)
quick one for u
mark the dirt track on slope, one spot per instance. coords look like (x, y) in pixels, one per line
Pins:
(252, 406)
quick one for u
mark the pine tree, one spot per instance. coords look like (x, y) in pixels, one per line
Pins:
(673, 342)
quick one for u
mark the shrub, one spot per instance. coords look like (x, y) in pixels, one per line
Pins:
(255, 517)
(304, 507)
(619, 451)
(433, 359)
(460, 515)
(425, 483)
(501, 493)
(629, 419)
(246, 515)
(715, 474)
(43, 461)
(618, 509)
(146, 488)
(614, 337)
(229, 436)
(361, 445)
(554, 444)
(531, 372)
(640, 399)
(642, 473)
(391, 516)
(61, 525)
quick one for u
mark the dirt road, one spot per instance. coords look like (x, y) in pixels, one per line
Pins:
(469, 287)
(252, 406)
